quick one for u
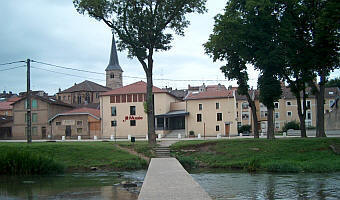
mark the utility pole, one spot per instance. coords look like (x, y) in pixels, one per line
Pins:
(28, 104)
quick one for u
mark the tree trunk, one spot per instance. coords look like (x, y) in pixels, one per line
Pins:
(302, 115)
(253, 110)
(150, 104)
(270, 126)
(320, 104)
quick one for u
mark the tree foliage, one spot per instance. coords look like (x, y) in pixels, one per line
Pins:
(143, 28)
(333, 82)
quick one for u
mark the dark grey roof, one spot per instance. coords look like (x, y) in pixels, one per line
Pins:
(86, 86)
(113, 63)
(175, 113)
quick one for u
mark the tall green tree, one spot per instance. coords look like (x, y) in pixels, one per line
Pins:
(324, 29)
(335, 82)
(227, 44)
(143, 28)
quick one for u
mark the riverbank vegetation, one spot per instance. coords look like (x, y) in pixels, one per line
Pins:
(281, 155)
(73, 156)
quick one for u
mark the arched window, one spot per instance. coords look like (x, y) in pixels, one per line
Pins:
(112, 75)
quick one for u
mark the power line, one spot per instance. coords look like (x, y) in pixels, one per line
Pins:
(134, 77)
(12, 68)
(9, 63)
(66, 73)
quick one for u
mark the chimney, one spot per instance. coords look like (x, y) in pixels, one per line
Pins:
(59, 90)
(10, 92)
(4, 92)
(230, 87)
(75, 83)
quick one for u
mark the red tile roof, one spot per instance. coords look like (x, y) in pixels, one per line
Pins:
(210, 94)
(13, 99)
(83, 110)
(6, 105)
(134, 88)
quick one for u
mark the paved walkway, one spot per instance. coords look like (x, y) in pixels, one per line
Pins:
(166, 179)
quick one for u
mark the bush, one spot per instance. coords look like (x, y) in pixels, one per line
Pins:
(244, 128)
(187, 162)
(19, 162)
(291, 125)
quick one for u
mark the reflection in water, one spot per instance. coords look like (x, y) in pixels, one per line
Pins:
(270, 186)
(96, 185)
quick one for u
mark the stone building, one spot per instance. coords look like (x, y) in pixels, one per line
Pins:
(42, 109)
(114, 73)
(86, 92)
(84, 122)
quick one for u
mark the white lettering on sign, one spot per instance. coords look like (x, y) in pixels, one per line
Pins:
(68, 122)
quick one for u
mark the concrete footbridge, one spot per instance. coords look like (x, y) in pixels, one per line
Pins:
(166, 179)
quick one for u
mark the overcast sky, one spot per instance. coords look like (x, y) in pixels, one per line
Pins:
(53, 32)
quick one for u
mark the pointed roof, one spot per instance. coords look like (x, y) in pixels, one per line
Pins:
(95, 113)
(87, 86)
(134, 88)
(113, 63)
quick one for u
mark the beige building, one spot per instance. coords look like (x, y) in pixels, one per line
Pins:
(84, 122)
(211, 112)
(122, 112)
(43, 108)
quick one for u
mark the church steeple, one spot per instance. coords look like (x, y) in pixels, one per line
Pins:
(114, 72)
(113, 63)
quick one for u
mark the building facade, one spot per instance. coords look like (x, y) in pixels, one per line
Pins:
(42, 109)
(86, 92)
(84, 122)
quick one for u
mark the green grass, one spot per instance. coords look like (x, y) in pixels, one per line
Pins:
(140, 147)
(21, 162)
(280, 155)
(80, 155)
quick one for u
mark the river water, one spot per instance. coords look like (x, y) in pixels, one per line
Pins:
(108, 185)
(270, 186)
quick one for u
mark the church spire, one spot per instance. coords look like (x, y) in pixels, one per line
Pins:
(113, 63)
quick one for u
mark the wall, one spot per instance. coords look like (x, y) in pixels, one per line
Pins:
(209, 116)
(332, 120)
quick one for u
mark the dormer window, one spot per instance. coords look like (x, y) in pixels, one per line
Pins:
(112, 75)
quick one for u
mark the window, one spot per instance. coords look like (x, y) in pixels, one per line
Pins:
(217, 128)
(57, 123)
(331, 102)
(330, 92)
(129, 98)
(261, 105)
(97, 95)
(236, 105)
(79, 99)
(112, 75)
(68, 97)
(309, 115)
(289, 113)
(245, 115)
(132, 110)
(200, 106)
(34, 130)
(288, 103)
(308, 124)
(199, 117)
(118, 99)
(277, 125)
(34, 117)
(34, 103)
(308, 105)
(112, 99)
(123, 98)
(277, 115)
(219, 116)
(134, 97)
(80, 123)
(264, 113)
(132, 122)
(276, 104)
(237, 114)
(245, 105)
(114, 123)
(64, 98)
(59, 98)
(239, 124)
(79, 130)
(217, 105)
(140, 97)
(113, 111)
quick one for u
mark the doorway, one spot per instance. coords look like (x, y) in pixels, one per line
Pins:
(68, 131)
(227, 130)
(43, 132)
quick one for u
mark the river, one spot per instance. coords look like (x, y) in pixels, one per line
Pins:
(109, 185)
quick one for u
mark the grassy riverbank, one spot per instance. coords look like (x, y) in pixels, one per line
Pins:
(79, 156)
(280, 155)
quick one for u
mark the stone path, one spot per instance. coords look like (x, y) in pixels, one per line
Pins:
(166, 179)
